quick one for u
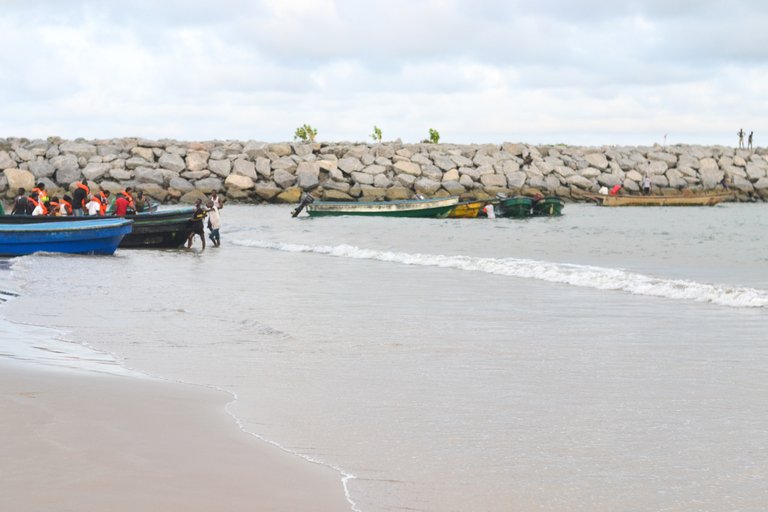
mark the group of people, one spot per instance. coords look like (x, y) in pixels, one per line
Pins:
(211, 211)
(81, 202)
(740, 133)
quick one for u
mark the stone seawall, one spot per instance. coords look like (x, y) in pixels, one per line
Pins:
(172, 171)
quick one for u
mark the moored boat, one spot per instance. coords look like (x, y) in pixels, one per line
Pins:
(549, 206)
(467, 210)
(676, 200)
(157, 229)
(429, 208)
(101, 236)
(517, 207)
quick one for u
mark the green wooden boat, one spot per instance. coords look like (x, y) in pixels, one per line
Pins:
(549, 206)
(430, 208)
(518, 207)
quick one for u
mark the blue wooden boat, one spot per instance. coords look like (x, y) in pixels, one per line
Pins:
(98, 236)
(152, 229)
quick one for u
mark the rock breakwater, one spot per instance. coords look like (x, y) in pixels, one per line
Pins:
(249, 171)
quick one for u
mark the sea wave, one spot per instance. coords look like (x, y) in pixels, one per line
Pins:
(585, 276)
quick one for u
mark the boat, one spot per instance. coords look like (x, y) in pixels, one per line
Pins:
(100, 236)
(167, 229)
(676, 200)
(153, 229)
(430, 208)
(518, 207)
(467, 210)
(549, 206)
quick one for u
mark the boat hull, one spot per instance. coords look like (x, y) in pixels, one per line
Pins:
(518, 207)
(161, 229)
(548, 207)
(468, 210)
(95, 237)
(426, 208)
(679, 200)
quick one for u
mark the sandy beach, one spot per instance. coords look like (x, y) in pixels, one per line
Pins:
(78, 441)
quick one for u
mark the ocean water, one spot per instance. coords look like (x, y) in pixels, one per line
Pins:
(606, 360)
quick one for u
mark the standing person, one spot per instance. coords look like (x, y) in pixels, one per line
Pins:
(141, 203)
(103, 196)
(121, 205)
(65, 206)
(93, 207)
(79, 198)
(38, 208)
(646, 185)
(217, 201)
(197, 223)
(54, 207)
(749, 140)
(41, 193)
(214, 223)
(740, 133)
(20, 203)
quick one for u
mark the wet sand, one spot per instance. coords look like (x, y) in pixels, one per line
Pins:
(74, 441)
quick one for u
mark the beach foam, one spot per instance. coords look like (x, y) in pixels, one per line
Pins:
(585, 276)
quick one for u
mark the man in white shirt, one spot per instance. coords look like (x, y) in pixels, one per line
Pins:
(214, 223)
(93, 206)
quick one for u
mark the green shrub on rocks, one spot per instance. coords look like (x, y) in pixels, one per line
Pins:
(376, 135)
(305, 133)
(434, 136)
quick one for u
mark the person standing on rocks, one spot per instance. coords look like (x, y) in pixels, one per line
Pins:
(646, 185)
(740, 133)
(749, 140)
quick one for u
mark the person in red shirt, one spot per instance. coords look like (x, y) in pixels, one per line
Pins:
(121, 205)
(615, 190)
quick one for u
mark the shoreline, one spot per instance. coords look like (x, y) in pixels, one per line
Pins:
(86, 441)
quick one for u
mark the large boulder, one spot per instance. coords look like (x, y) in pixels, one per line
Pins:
(197, 160)
(208, 185)
(267, 191)
(6, 162)
(406, 167)
(263, 167)
(350, 165)
(307, 175)
(244, 167)
(284, 179)
(362, 178)
(180, 184)
(426, 186)
(67, 169)
(597, 160)
(149, 175)
(18, 178)
(96, 171)
(78, 149)
(239, 181)
(172, 162)
(41, 168)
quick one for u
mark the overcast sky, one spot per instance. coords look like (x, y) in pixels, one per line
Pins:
(576, 72)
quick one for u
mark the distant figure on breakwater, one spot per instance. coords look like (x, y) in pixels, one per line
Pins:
(740, 133)
(646, 185)
(749, 140)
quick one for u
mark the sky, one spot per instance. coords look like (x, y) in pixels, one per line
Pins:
(483, 71)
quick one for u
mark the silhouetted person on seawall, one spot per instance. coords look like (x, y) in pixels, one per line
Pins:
(749, 140)
(740, 133)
